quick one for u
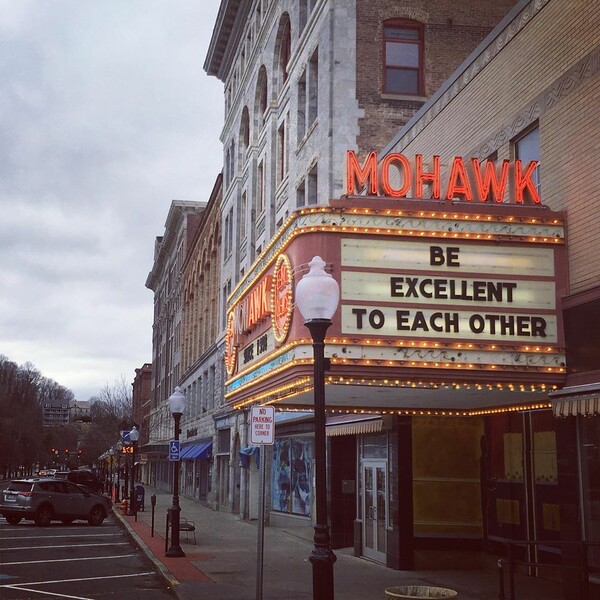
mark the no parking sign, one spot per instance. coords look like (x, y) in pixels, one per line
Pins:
(262, 425)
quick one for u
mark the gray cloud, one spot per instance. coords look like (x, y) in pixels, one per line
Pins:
(105, 117)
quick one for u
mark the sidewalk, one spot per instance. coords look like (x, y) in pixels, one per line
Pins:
(223, 565)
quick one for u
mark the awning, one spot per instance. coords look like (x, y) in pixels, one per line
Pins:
(158, 448)
(196, 451)
(353, 424)
(571, 401)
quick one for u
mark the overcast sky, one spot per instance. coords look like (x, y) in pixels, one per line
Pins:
(106, 116)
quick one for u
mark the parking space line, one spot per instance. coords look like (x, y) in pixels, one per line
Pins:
(57, 560)
(22, 586)
(62, 537)
(45, 593)
(58, 546)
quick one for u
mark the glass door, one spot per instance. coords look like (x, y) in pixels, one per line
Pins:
(374, 499)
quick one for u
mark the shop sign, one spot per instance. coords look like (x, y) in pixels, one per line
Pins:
(480, 291)
(467, 179)
(271, 297)
(283, 291)
(262, 425)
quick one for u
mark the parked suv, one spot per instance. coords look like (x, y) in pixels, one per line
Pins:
(47, 499)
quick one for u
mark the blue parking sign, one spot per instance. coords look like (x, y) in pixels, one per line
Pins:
(174, 450)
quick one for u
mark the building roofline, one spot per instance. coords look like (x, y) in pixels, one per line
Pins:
(230, 23)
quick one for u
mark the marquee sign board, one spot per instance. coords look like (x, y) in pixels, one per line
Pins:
(472, 291)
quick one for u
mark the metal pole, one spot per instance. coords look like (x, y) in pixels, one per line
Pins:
(110, 486)
(175, 510)
(322, 557)
(118, 491)
(132, 508)
(260, 543)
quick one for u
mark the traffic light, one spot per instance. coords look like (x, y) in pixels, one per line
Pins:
(67, 451)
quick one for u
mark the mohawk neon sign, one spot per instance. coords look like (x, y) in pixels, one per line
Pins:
(485, 183)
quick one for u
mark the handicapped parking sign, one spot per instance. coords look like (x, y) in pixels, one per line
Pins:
(174, 450)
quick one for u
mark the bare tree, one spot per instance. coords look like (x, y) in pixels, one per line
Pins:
(110, 414)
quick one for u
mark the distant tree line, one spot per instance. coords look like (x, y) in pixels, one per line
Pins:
(26, 445)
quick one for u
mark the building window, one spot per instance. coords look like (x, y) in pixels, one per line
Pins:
(291, 486)
(285, 47)
(261, 97)
(313, 87)
(260, 183)
(243, 208)
(302, 14)
(301, 126)
(312, 187)
(403, 55)
(228, 233)
(245, 130)
(527, 148)
(300, 195)
(282, 153)
(224, 441)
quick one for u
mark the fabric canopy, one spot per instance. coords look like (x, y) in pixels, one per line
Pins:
(353, 424)
(196, 451)
(581, 400)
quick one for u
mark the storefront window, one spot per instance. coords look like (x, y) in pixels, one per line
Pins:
(292, 479)
(374, 445)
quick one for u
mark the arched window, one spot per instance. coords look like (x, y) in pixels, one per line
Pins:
(403, 57)
(244, 131)
(283, 48)
(261, 100)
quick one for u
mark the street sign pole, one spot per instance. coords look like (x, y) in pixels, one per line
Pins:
(262, 433)
(260, 542)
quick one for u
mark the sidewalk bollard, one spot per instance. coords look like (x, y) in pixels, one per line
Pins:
(153, 503)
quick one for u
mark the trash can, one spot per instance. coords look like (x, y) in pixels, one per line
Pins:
(140, 494)
(418, 591)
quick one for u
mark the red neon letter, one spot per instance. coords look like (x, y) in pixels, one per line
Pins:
(458, 183)
(363, 174)
(385, 175)
(523, 180)
(433, 177)
(490, 180)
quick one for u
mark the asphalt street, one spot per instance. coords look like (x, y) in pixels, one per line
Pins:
(76, 562)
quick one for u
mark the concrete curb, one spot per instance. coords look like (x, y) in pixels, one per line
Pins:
(169, 578)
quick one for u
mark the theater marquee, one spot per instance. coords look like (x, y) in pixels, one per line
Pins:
(435, 294)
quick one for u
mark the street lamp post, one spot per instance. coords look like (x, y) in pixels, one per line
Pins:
(317, 298)
(111, 456)
(176, 406)
(134, 436)
(119, 447)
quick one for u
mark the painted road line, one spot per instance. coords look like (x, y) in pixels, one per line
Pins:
(45, 593)
(58, 547)
(57, 560)
(24, 587)
(62, 537)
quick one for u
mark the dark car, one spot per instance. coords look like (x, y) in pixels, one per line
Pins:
(47, 499)
(82, 477)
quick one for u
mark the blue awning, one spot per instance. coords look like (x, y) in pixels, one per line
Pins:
(196, 451)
